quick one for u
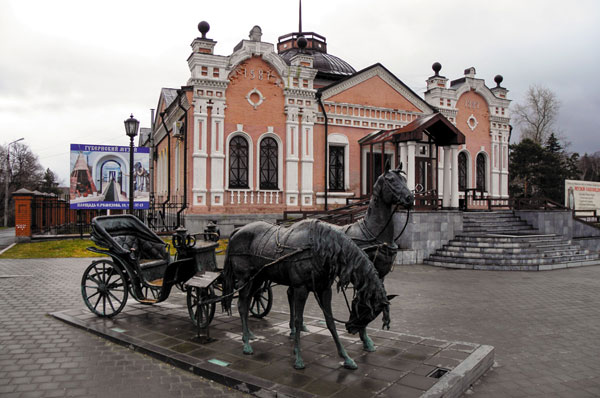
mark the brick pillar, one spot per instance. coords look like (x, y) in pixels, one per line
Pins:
(23, 199)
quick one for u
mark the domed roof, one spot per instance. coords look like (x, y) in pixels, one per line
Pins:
(323, 62)
(316, 45)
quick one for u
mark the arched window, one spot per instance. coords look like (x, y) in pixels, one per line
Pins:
(238, 163)
(462, 171)
(481, 172)
(336, 168)
(268, 164)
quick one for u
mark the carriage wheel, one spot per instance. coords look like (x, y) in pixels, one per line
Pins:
(207, 311)
(262, 300)
(104, 288)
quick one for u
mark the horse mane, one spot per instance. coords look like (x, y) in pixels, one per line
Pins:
(348, 263)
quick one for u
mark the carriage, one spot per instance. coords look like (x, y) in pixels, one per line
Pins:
(142, 267)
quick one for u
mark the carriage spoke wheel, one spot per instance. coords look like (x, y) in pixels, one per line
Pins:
(262, 300)
(104, 288)
(206, 312)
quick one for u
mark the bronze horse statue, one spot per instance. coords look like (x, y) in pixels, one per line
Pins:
(307, 256)
(374, 234)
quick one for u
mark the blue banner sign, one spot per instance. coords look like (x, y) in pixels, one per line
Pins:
(100, 177)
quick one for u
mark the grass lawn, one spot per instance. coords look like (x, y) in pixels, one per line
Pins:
(51, 249)
(70, 248)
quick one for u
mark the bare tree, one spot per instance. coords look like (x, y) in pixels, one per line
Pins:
(24, 171)
(537, 114)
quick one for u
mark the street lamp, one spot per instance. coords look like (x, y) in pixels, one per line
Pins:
(131, 128)
(8, 174)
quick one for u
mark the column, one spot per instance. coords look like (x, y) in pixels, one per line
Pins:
(403, 155)
(454, 187)
(217, 154)
(447, 177)
(199, 154)
(410, 170)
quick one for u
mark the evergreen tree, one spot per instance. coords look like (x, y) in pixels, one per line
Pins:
(49, 183)
(541, 171)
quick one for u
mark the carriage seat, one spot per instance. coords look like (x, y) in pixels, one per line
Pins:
(149, 254)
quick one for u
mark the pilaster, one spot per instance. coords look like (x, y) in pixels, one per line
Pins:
(292, 156)
(217, 153)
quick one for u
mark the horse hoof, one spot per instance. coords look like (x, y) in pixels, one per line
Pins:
(304, 328)
(350, 364)
(369, 348)
(299, 365)
(248, 350)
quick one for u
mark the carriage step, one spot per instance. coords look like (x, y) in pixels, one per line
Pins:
(156, 282)
(148, 301)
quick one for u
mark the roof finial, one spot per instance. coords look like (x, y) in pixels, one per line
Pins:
(300, 17)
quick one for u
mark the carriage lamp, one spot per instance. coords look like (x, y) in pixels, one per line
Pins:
(131, 128)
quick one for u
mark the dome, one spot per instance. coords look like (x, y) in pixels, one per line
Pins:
(328, 65)
(325, 63)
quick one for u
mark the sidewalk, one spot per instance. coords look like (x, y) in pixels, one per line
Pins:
(544, 327)
(7, 237)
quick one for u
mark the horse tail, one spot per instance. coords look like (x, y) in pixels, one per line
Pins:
(228, 277)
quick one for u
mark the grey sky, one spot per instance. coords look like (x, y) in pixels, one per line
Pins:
(72, 71)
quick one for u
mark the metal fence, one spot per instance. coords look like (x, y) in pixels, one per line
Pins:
(51, 215)
(163, 215)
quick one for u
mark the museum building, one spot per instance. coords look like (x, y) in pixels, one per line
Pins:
(291, 127)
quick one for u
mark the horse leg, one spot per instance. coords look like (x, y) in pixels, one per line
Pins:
(325, 299)
(243, 308)
(290, 295)
(300, 296)
(368, 344)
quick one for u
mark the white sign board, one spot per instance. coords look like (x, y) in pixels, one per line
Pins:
(582, 195)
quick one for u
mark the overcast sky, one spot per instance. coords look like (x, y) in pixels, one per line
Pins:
(72, 71)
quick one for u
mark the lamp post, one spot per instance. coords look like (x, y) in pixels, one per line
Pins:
(8, 174)
(131, 128)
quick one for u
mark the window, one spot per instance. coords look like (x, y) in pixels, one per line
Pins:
(481, 172)
(462, 171)
(268, 164)
(336, 168)
(238, 163)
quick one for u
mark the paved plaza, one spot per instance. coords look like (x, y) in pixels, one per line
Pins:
(545, 327)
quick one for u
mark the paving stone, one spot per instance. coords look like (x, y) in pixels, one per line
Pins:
(542, 323)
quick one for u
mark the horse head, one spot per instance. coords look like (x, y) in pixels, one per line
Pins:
(362, 313)
(391, 187)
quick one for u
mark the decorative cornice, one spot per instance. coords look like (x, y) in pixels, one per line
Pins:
(299, 92)
(208, 83)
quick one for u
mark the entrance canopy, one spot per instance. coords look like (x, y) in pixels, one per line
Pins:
(435, 127)
(416, 147)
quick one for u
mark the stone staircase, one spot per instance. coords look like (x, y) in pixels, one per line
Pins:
(502, 241)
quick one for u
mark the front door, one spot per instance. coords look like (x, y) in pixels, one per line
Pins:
(376, 169)
(423, 175)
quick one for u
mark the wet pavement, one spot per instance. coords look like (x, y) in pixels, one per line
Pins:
(7, 237)
(404, 365)
(545, 328)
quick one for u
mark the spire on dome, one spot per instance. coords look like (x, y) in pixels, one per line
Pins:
(300, 17)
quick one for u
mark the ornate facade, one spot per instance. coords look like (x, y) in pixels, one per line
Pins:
(247, 135)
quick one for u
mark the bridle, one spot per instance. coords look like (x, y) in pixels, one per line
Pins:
(376, 237)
